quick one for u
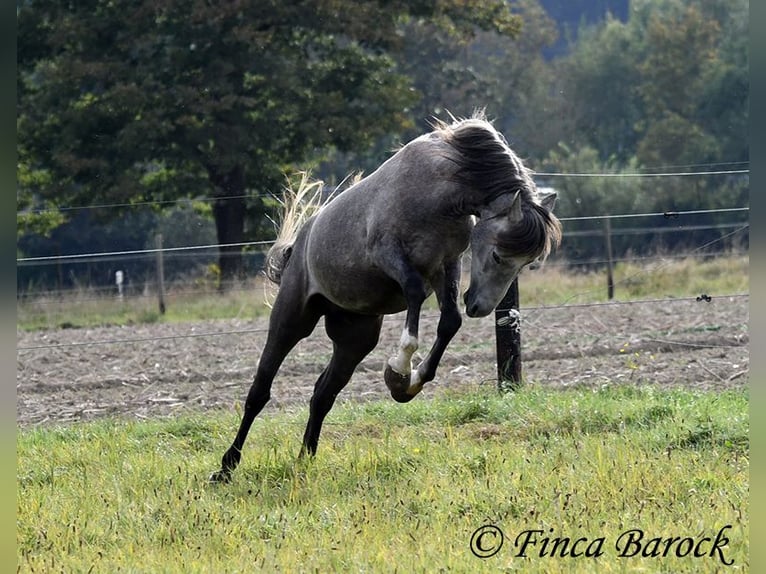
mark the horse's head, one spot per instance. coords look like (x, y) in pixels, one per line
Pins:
(503, 242)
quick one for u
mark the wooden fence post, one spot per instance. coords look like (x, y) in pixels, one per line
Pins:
(609, 265)
(508, 338)
(160, 274)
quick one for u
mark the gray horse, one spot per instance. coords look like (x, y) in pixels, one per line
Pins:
(383, 246)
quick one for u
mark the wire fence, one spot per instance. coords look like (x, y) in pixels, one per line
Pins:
(691, 170)
(186, 266)
(160, 369)
(426, 315)
(198, 285)
(183, 287)
(118, 255)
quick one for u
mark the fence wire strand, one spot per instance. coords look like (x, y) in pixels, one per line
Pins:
(425, 315)
(189, 200)
(666, 174)
(105, 255)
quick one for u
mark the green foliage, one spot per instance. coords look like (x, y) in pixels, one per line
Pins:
(578, 196)
(597, 83)
(392, 485)
(38, 217)
(181, 100)
(38, 221)
(618, 192)
(653, 87)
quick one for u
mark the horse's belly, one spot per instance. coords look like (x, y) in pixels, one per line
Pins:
(365, 292)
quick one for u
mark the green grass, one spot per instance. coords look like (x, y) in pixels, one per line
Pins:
(659, 278)
(85, 309)
(550, 285)
(394, 487)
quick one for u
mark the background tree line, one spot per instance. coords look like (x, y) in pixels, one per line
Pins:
(143, 104)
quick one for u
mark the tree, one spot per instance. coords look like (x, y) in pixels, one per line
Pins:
(456, 74)
(595, 100)
(667, 90)
(680, 45)
(519, 80)
(670, 85)
(126, 101)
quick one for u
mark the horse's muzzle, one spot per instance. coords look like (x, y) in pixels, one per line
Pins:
(472, 306)
(472, 311)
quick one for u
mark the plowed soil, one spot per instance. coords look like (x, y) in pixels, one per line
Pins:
(160, 370)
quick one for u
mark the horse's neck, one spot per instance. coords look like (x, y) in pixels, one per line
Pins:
(425, 165)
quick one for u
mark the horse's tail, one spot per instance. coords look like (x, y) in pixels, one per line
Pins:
(298, 205)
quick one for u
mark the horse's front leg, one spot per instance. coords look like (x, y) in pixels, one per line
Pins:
(398, 371)
(389, 256)
(449, 324)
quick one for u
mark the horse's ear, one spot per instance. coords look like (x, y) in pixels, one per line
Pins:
(548, 200)
(515, 214)
(505, 222)
(510, 204)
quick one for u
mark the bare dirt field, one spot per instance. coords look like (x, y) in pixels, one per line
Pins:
(158, 370)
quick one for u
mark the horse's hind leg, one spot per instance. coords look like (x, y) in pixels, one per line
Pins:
(353, 337)
(290, 322)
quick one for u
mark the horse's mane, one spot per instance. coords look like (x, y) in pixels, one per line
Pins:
(484, 160)
(487, 164)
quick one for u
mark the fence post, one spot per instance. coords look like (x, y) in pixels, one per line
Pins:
(59, 269)
(160, 274)
(609, 265)
(119, 277)
(508, 338)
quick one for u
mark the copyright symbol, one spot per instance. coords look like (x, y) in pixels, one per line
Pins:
(486, 541)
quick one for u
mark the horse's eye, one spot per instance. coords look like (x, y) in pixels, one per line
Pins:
(496, 257)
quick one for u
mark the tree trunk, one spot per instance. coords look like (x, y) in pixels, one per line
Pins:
(229, 214)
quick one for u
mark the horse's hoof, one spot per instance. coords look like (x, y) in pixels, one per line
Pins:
(396, 382)
(399, 385)
(401, 397)
(220, 477)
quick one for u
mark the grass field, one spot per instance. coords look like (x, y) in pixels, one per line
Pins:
(563, 474)
(549, 285)
(401, 488)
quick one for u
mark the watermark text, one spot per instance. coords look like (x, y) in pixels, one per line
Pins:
(486, 541)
